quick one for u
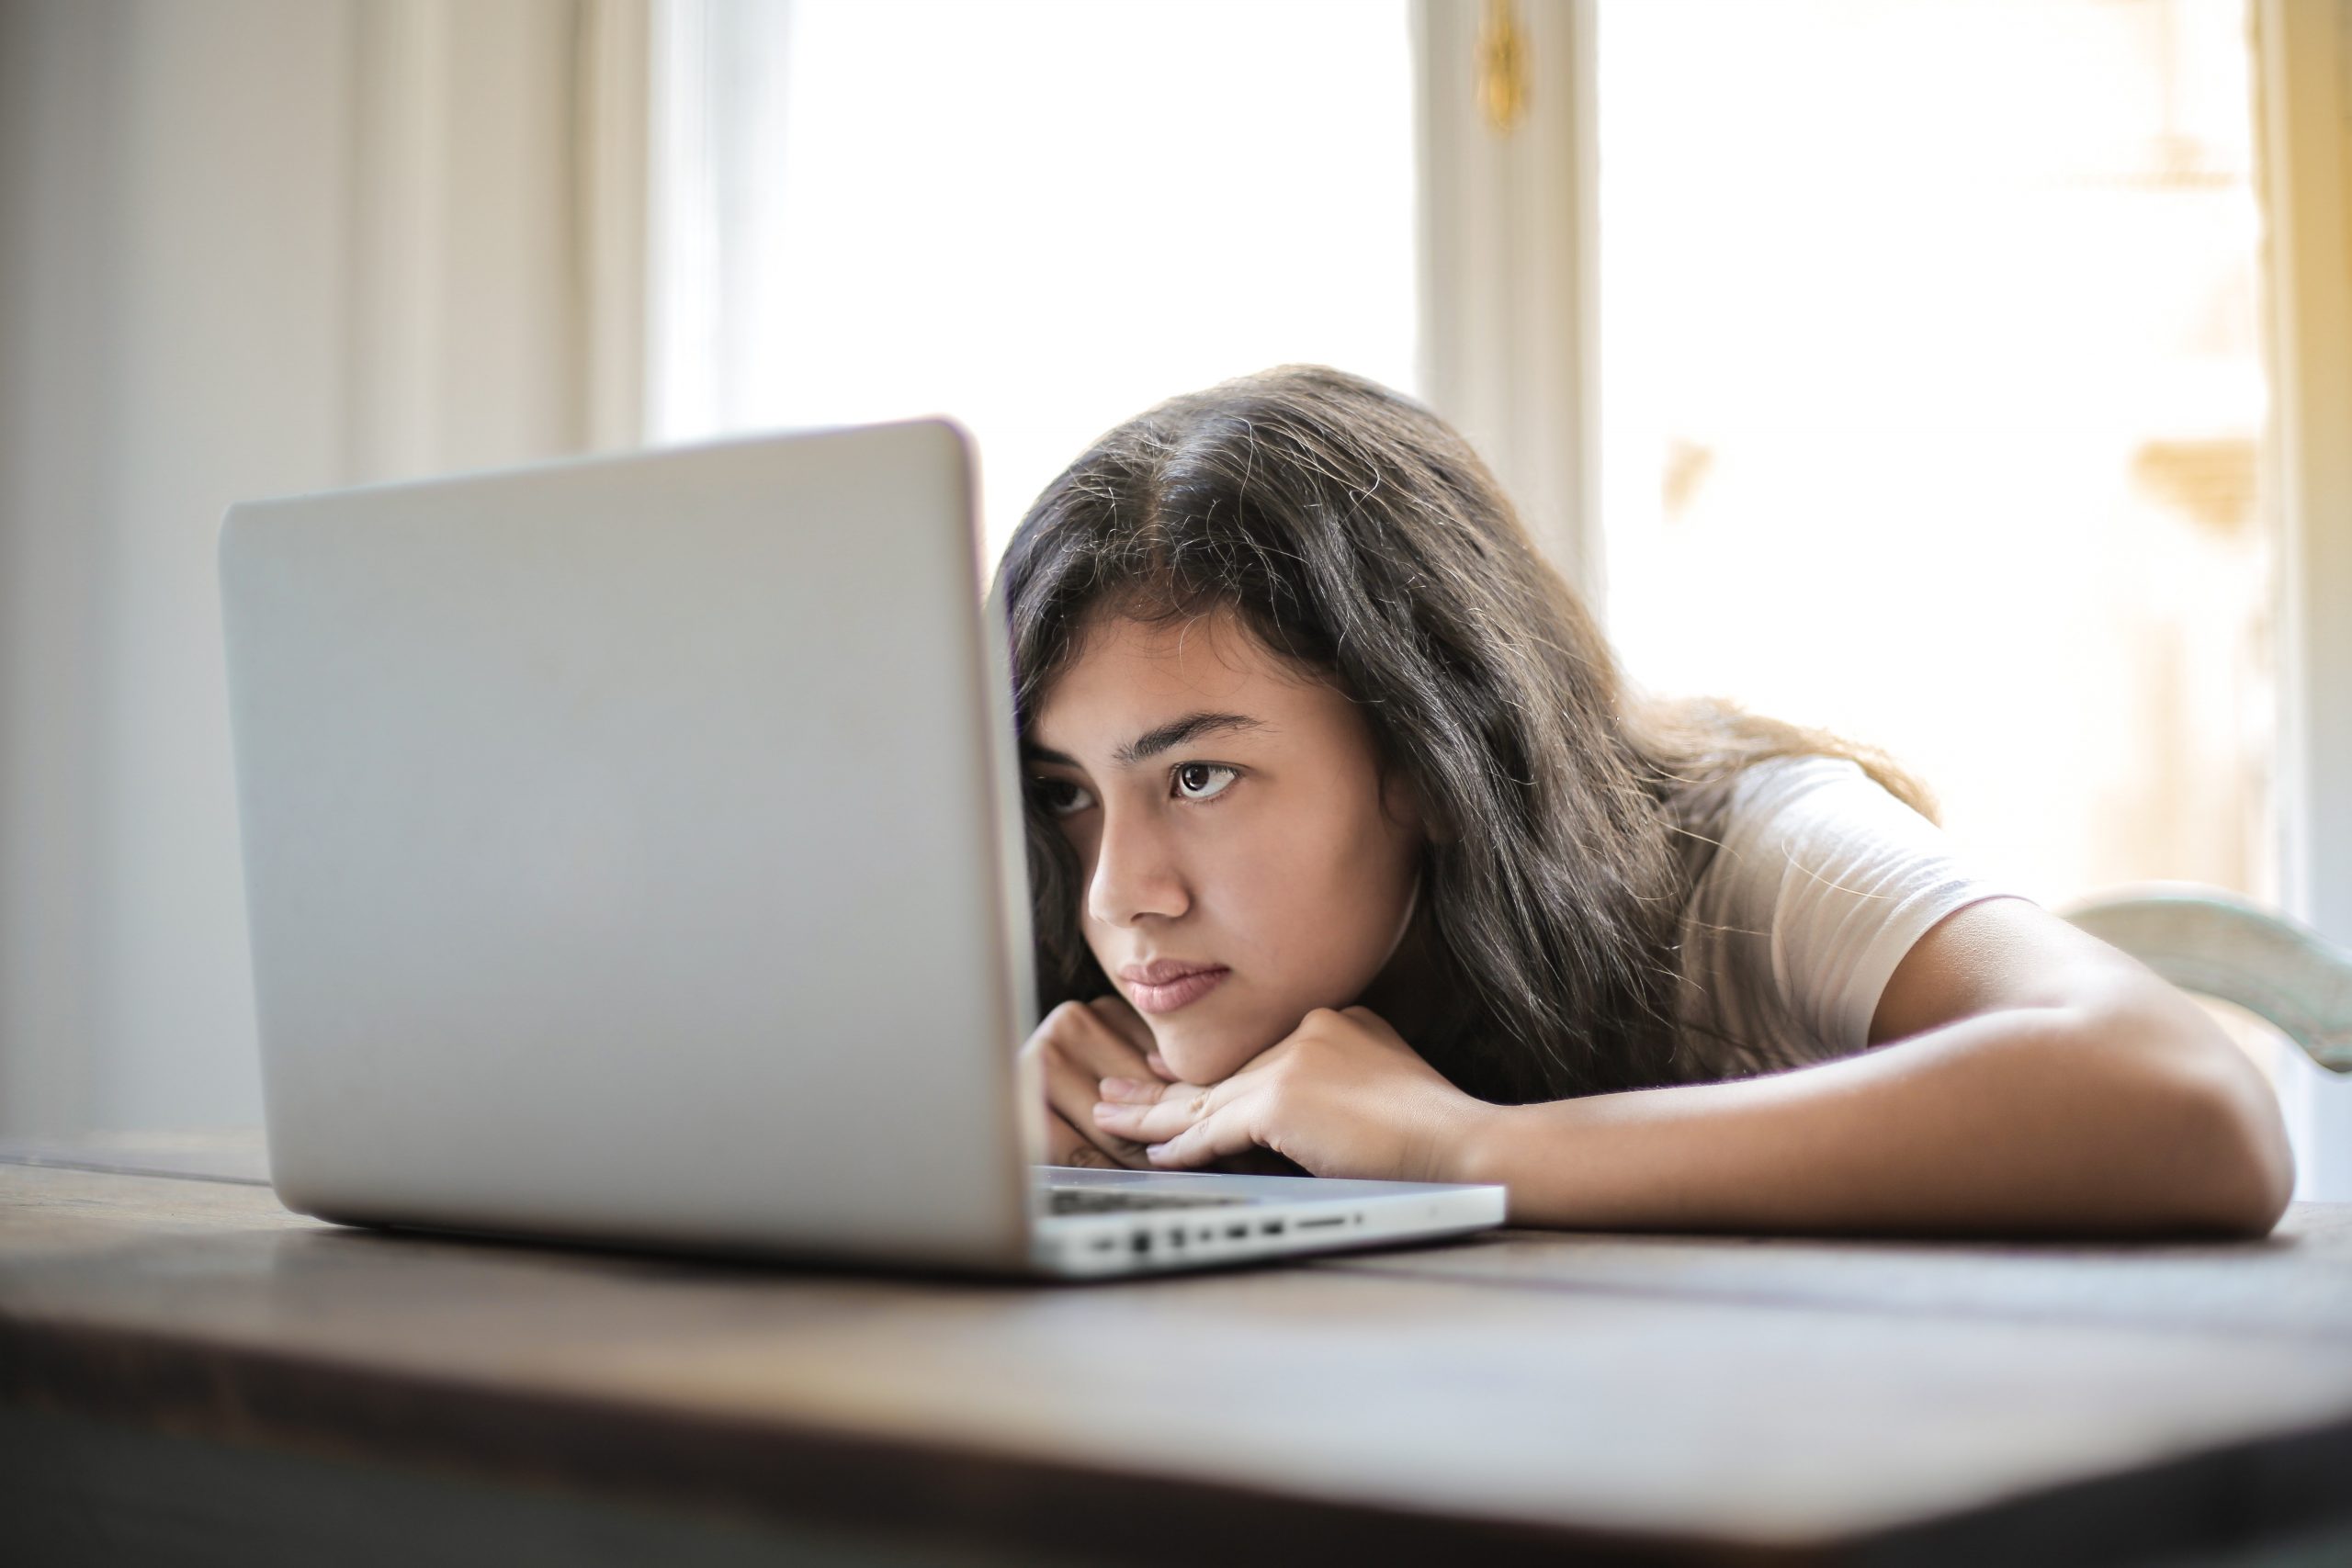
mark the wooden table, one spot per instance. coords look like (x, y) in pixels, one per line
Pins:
(189, 1372)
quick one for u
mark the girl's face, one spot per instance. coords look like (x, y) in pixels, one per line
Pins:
(1242, 863)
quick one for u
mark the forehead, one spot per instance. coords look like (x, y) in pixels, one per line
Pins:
(1126, 676)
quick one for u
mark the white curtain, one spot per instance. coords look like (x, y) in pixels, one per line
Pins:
(2303, 68)
(249, 247)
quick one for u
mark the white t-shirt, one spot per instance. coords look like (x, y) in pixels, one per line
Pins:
(1823, 882)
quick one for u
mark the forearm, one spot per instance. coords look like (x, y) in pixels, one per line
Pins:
(2026, 1121)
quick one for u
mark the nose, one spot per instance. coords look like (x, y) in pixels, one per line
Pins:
(1136, 875)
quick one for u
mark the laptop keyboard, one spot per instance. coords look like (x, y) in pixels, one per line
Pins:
(1107, 1200)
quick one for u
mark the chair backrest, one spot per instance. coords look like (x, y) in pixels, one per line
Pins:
(2218, 944)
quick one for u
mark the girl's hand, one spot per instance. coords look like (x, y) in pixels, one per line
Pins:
(1343, 1095)
(1077, 1044)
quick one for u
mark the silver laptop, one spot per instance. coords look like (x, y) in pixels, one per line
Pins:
(633, 855)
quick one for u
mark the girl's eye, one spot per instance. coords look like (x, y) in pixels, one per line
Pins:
(1204, 780)
(1063, 798)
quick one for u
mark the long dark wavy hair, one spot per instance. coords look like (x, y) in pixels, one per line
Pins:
(1359, 536)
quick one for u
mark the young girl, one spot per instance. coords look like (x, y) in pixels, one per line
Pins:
(1354, 854)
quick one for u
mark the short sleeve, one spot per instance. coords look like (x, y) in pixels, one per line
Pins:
(1822, 883)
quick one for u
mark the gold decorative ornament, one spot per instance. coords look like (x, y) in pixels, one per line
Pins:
(1502, 67)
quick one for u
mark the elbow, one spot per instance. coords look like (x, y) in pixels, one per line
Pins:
(2218, 1162)
(2241, 1175)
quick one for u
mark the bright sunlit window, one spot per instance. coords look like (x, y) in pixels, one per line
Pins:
(1038, 218)
(1930, 380)
(1931, 394)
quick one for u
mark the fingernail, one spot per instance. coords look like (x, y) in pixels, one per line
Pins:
(1103, 1108)
(1117, 1088)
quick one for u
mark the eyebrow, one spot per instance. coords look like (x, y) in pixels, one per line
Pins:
(1151, 742)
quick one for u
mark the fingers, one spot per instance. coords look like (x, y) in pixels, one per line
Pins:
(1071, 1095)
(1064, 1146)
(1153, 1120)
(1075, 1047)
(1080, 1032)
(1222, 1134)
(1123, 1022)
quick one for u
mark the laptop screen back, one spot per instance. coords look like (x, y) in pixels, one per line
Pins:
(633, 849)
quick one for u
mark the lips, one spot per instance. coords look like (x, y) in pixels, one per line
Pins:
(1165, 984)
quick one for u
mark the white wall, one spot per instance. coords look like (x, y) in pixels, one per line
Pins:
(170, 326)
(247, 247)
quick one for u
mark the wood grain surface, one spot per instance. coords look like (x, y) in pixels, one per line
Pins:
(1519, 1394)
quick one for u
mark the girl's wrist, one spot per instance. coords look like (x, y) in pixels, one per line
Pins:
(1540, 1152)
(1481, 1150)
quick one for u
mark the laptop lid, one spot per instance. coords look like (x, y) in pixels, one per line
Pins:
(633, 849)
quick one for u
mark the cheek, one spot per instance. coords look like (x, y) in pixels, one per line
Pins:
(1330, 891)
(1079, 833)
(1082, 859)
(1305, 913)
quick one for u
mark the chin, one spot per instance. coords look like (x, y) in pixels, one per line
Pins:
(1204, 1052)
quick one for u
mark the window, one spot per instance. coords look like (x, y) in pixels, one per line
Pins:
(1931, 395)
(1038, 218)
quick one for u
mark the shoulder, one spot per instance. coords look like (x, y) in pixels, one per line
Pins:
(1838, 878)
(1789, 812)
(1782, 781)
